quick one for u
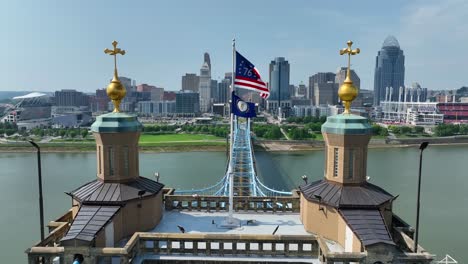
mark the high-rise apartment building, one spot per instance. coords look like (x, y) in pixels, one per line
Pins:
(320, 77)
(279, 85)
(69, 97)
(190, 82)
(204, 88)
(389, 70)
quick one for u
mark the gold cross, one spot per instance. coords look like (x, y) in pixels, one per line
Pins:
(114, 53)
(350, 52)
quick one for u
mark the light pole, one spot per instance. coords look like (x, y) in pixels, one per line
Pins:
(422, 147)
(39, 175)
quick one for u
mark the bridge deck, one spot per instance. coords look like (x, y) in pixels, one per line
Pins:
(242, 167)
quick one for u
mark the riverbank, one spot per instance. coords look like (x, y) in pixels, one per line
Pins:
(260, 145)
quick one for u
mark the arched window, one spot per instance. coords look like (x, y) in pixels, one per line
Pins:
(125, 160)
(335, 162)
(110, 155)
(351, 164)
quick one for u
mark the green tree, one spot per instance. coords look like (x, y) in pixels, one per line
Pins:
(9, 131)
(418, 129)
(405, 130)
(62, 133)
(383, 132)
(72, 133)
(84, 133)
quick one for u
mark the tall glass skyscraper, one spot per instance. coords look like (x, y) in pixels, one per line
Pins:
(389, 70)
(279, 84)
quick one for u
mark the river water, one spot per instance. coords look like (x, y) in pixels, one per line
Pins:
(444, 209)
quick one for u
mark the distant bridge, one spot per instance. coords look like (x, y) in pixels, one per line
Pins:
(241, 167)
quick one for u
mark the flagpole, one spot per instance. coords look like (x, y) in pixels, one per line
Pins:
(231, 174)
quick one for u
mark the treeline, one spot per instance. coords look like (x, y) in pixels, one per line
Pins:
(267, 131)
(445, 130)
(406, 130)
(60, 132)
(8, 129)
(217, 130)
(299, 133)
(307, 119)
(379, 130)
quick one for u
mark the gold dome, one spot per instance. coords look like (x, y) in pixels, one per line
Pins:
(347, 93)
(116, 92)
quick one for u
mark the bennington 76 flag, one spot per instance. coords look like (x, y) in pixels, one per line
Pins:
(247, 77)
(241, 108)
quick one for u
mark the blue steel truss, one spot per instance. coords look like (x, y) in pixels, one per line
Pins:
(241, 167)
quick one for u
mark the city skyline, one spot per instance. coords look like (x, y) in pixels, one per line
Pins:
(49, 44)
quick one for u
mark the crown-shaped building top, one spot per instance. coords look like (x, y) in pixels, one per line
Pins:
(115, 90)
(348, 92)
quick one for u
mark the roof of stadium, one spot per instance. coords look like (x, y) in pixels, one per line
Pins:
(29, 95)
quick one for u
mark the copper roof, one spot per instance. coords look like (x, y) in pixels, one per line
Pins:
(339, 195)
(368, 225)
(89, 221)
(99, 192)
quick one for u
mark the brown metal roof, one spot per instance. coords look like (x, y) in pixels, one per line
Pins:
(89, 221)
(368, 225)
(339, 195)
(99, 192)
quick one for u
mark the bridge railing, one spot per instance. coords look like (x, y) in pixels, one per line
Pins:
(241, 203)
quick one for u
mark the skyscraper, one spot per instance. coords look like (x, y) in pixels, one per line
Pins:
(190, 82)
(326, 93)
(319, 77)
(204, 87)
(214, 91)
(223, 90)
(389, 70)
(279, 85)
(206, 58)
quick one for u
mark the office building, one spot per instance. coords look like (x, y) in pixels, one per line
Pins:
(301, 90)
(214, 91)
(190, 82)
(169, 96)
(157, 94)
(204, 88)
(224, 91)
(279, 85)
(320, 77)
(157, 108)
(389, 70)
(68, 97)
(187, 103)
(326, 93)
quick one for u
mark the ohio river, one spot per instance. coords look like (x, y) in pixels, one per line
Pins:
(444, 207)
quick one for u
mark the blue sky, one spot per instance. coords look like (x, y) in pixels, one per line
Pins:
(50, 45)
